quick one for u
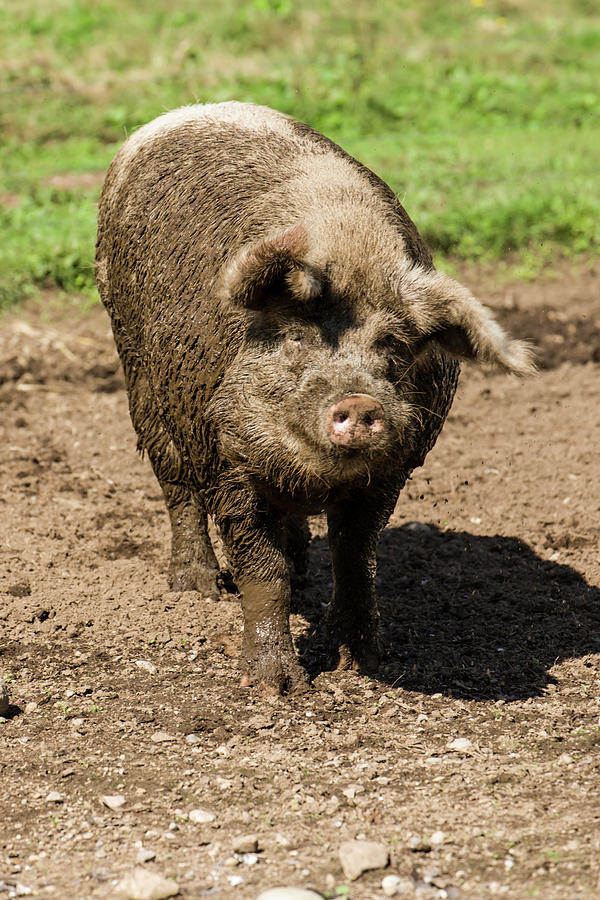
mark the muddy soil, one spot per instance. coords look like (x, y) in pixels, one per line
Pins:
(481, 729)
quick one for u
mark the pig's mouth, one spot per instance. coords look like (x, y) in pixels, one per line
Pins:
(349, 437)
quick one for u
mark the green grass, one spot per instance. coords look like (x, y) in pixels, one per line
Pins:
(483, 115)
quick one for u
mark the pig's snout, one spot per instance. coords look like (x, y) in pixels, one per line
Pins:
(354, 421)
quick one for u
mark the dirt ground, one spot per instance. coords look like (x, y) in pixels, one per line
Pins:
(481, 730)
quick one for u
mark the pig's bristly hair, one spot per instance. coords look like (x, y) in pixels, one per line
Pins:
(272, 265)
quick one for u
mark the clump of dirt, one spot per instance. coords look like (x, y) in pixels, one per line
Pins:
(472, 757)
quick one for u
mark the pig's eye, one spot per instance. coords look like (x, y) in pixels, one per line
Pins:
(387, 346)
(295, 338)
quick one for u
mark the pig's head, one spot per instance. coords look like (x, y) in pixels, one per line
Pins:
(333, 380)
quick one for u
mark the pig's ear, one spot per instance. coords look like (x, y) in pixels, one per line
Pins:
(271, 271)
(446, 312)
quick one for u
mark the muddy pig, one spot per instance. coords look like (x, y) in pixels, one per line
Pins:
(288, 349)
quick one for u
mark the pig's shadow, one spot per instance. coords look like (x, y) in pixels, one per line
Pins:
(473, 617)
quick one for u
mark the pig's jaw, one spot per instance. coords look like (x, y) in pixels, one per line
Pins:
(306, 462)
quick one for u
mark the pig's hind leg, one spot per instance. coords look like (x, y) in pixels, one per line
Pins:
(193, 563)
(193, 566)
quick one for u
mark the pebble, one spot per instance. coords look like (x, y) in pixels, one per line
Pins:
(288, 893)
(144, 855)
(438, 838)
(55, 797)
(357, 857)
(460, 744)
(418, 527)
(392, 885)
(429, 875)
(144, 885)
(246, 843)
(285, 841)
(113, 801)
(418, 845)
(146, 665)
(192, 739)
(201, 816)
(4, 699)
(160, 737)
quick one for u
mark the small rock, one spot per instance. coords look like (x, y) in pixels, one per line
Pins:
(246, 843)
(235, 880)
(146, 665)
(160, 737)
(55, 797)
(101, 874)
(564, 759)
(461, 745)
(113, 801)
(392, 886)
(437, 838)
(429, 875)
(284, 841)
(418, 845)
(231, 862)
(192, 739)
(144, 885)
(4, 699)
(288, 893)
(249, 859)
(201, 816)
(418, 527)
(144, 855)
(357, 857)
(351, 791)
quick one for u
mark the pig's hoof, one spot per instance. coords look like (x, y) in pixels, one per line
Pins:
(364, 659)
(195, 578)
(276, 677)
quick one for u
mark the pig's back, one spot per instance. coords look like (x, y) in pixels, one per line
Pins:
(198, 183)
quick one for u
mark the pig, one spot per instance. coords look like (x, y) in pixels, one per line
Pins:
(288, 349)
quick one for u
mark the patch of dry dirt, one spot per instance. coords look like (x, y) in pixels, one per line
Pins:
(489, 581)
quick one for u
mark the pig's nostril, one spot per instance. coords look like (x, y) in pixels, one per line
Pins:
(368, 420)
(341, 417)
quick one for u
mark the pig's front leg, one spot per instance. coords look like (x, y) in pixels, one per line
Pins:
(255, 545)
(355, 524)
